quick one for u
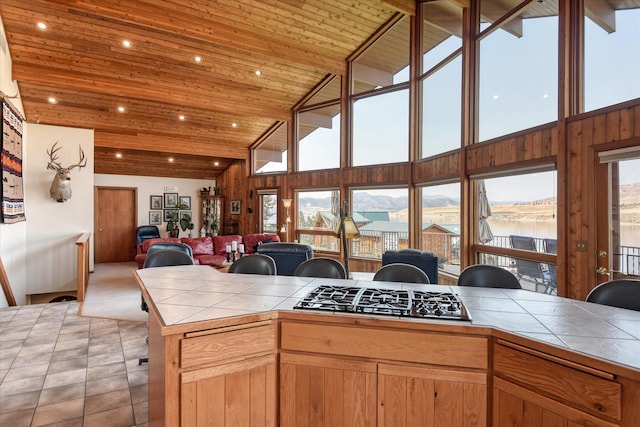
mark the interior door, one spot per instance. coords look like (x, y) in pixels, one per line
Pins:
(116, 222)
(618, 213)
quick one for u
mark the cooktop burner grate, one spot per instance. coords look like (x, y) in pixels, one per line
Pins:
(392, 302)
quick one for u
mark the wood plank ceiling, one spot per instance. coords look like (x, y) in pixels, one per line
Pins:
(80, 61)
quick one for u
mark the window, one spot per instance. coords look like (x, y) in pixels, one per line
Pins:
(382, 218)
(318, 215)
(381, 129)
(319, 129)
(521, 215)
(271, 154)
(442, 82)
(268, 211)
(441, 224)
(384, 63)
(518, 70)
(611, 54)
(319, 138)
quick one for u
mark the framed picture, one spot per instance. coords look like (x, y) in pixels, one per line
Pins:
(185, 201)
(185, 213)
(155, 217)
(236, 205)
(156, 202)
(170, 200)
(169, 213)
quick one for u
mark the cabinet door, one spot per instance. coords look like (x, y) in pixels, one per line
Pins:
(325, 391)
(516, 406)
(234, 395)
(427, 397)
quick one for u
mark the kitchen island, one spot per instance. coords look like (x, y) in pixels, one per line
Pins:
(229, 350)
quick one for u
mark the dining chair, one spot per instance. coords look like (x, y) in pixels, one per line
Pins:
(621, 293)
(399, 272)
(488, 276)
(254, 264)
(163, 258)
(328, 268)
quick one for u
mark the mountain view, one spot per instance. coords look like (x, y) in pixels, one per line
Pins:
(443, 209)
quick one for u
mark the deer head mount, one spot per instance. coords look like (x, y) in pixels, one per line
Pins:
(61, 186)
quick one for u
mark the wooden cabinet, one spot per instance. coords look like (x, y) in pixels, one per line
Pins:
(345, 376)
(426, 396)
(212, 214)
(531, 388)
(326, 391)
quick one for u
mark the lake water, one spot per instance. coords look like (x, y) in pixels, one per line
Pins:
(629, 233)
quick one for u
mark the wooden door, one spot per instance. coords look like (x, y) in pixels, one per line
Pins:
(318, 391)
(411, 396)
(115, 229)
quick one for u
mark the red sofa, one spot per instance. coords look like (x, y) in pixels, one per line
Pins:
(208, 250)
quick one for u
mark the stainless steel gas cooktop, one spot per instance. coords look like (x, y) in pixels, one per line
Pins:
(391, 302)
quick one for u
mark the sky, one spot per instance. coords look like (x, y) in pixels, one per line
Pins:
(518, 90)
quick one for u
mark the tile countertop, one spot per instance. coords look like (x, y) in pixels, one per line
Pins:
(197, 293)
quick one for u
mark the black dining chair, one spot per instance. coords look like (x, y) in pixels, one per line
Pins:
(328, 268)
(254, 264)
(167, 258)
(488, 276)
(621, 293)
(398, 272)
(176, 246)
(163, 258)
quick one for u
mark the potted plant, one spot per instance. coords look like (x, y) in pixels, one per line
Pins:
(175, 222)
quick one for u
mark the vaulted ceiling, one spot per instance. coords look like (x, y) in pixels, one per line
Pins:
(80, 61)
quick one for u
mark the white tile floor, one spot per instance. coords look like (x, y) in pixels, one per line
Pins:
(60, 369)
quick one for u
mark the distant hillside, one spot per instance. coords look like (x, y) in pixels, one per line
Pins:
(443, 209)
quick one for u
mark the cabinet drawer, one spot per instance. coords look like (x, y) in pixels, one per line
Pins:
(407, 346)
(223, 347)
(580, 386)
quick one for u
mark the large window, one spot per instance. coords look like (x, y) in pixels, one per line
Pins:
(384, 63)
(318, 215)
(518, 71)
(319, 138)
(268, 211)
(381, 129)
(382, 215)
(442, 81)
(440, 230)
(519, 212)
(381, 121)
(271, 153)
(319, 128)
(611, 53)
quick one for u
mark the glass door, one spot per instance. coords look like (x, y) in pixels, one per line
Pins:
(619, 216)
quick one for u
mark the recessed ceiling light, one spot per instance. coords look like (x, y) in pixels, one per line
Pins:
(197, 58)
(170, 159)
(126, 43)
(216, 163)
(234, 125)
(496, 96)
(258, 73)
(121, 109)
(52, 100)
(180, 117)
(41, 26)
(118, 155)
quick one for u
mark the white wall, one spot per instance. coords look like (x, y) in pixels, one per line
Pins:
(12, 236)
(53, 227)
(148, 186)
